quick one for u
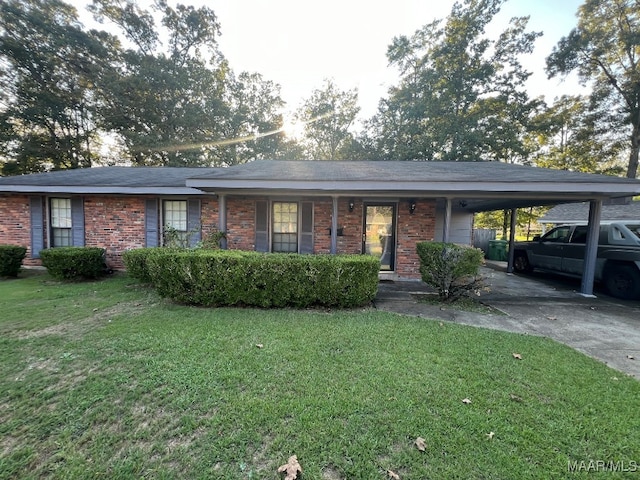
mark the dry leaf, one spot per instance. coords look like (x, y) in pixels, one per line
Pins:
(552, 318)
(259, 345)
(291, 468)
(490, 435)
(515, 398)
(466, 401)
(420, 443)
(630, 357)
(517, 356)
(393, 475)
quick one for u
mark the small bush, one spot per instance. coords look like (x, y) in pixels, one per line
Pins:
(449, 268)
(71, 263)
(11, 257)
(135, 261)
(231, 277)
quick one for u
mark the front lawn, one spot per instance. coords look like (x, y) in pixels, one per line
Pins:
(105, 380)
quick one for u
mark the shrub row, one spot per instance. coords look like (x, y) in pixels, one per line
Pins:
(11, 257)
(231, 277)
(71, 263)
(449, 268)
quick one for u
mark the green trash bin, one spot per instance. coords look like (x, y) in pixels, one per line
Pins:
(497, 250)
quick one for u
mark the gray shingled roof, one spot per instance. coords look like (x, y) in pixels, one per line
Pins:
(126, 180)
(579, 212)
(399, 171)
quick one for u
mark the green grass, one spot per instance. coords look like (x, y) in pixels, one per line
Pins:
(105, 380)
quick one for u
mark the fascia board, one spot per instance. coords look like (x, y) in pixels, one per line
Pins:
(91, 190)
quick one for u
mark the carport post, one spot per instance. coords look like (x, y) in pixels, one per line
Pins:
(512, 239)
(591, 249)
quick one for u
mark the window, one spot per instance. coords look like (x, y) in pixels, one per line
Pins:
(558, 234)
(174, 216)
(285, 227)
(61, 222)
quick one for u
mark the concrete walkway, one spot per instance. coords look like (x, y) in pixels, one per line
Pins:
(604, 328)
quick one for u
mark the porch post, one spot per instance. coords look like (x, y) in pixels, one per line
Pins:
(222, 219)
(447, 220)
(512, 238)
(334, 225)
(591, 249)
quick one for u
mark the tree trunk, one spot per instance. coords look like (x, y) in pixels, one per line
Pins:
(632, 169)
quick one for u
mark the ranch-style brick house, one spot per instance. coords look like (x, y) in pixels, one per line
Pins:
(312, 207)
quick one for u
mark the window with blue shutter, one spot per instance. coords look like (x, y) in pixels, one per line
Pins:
(37, 225)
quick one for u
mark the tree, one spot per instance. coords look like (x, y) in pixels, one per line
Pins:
(164, 101)
(573, 134)
(327, 116)
(47, 68)
(605, 49)
(461, 95)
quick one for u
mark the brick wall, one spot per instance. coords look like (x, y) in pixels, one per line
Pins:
(413, 228)
(15, 224)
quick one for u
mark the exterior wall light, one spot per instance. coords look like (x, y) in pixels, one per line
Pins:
(352, 204)
(412, 206)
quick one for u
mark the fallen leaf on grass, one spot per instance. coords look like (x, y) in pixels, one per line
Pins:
(630, 357)
(466, 401)
(291, 468)
(490, 435)
(393, 475)
(517, 356)
(420, 443)
(259, 345)
(515, 398)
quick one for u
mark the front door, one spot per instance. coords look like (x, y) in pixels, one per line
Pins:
(379, 237)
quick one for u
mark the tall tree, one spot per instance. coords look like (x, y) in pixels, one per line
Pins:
(461, 95)
(605, 49)
(47, 69)
(327, 115)
(164, 99)
(573, 134)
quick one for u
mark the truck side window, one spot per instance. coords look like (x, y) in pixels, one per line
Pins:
(579, 235)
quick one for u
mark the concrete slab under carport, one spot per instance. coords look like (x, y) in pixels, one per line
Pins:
(604, 328)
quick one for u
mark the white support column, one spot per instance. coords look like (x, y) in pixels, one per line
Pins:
(446, 227)
(334, 225)
(222, 219)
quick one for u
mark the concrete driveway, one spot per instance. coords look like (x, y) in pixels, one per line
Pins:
(604, 328)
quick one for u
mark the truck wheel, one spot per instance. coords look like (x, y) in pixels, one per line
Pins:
(623, 281)
(521, 263)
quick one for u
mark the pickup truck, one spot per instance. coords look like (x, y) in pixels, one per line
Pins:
(562, 250)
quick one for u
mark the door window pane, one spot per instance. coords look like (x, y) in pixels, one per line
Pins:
(379, 236)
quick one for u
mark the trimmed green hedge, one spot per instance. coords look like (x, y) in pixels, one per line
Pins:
(71, 263)
(135, 261)
(453, 270)
(231, 277)
(11, 257)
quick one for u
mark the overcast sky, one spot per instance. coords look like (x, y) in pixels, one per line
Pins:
(298, 43)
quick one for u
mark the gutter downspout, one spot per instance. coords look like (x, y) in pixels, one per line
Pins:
(591, 249)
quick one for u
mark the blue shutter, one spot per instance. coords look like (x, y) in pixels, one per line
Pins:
(151, 232)
(262, 226)
(306, 230)
(37, 225)
(193, 221)
(77, 222)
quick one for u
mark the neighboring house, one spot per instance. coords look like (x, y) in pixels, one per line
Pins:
(320, 207)
(571, 213)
